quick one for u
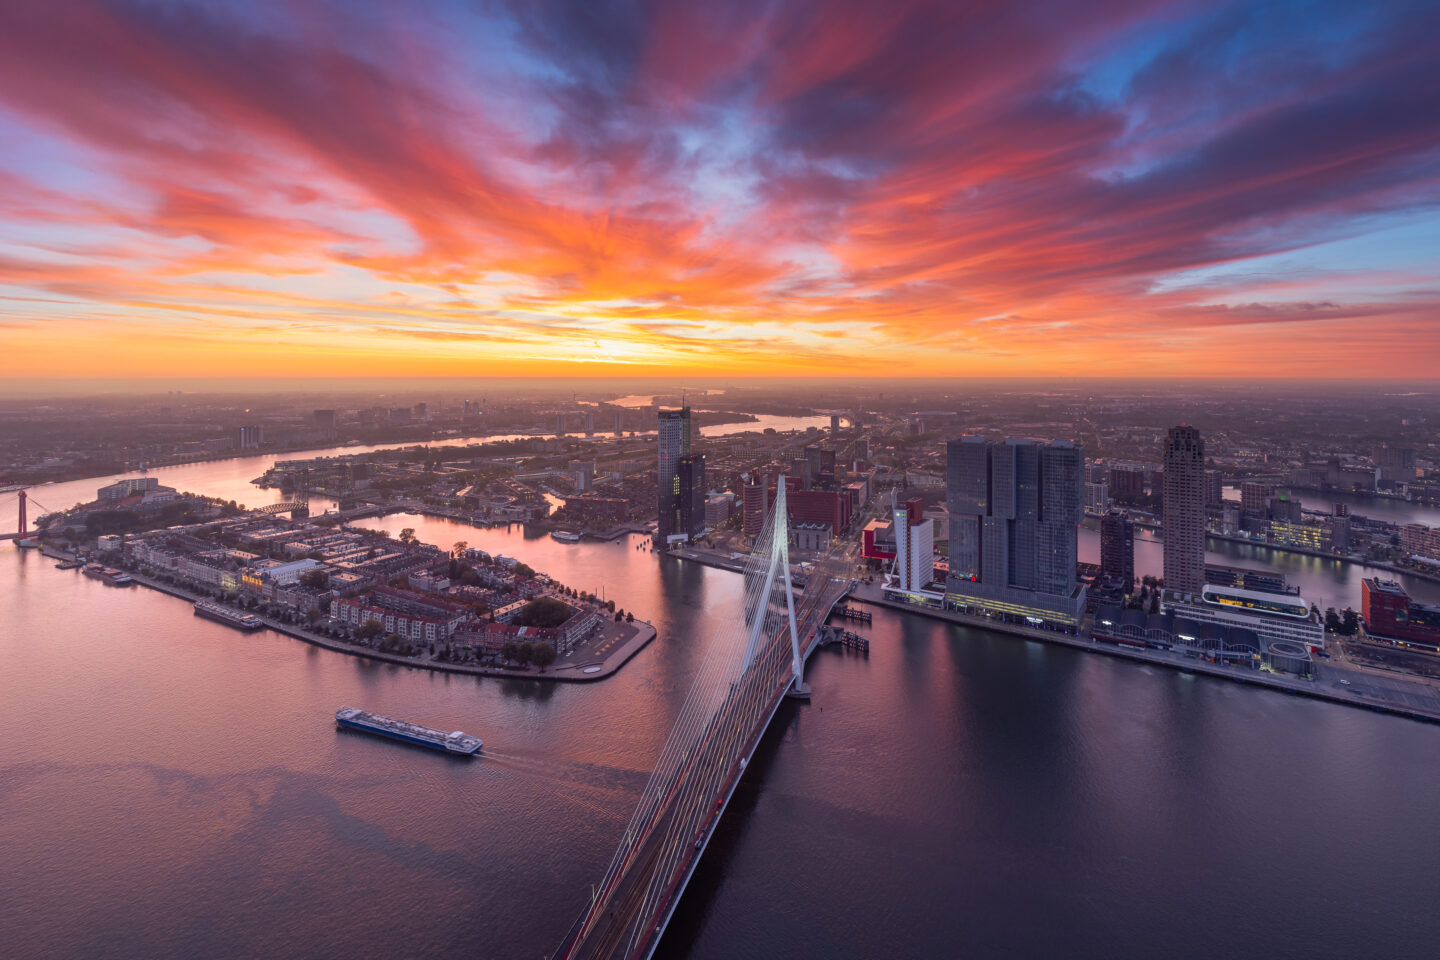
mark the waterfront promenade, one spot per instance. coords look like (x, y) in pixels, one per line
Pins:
(1336, 681)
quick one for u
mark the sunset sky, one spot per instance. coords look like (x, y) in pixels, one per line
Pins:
(1106, 188)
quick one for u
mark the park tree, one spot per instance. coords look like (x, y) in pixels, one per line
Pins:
(458, 550)
(369, 630)
(318, 579)
(1349, 622)
(526, 652)
(407, 536)
(543, 655)
(1332, 620)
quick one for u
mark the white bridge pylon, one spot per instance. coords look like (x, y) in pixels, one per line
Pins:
(778, 566)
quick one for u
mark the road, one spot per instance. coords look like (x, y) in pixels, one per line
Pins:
(634, 901)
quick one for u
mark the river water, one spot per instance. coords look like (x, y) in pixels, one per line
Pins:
(172, 788)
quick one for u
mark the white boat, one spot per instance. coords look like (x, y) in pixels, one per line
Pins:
(565, 536)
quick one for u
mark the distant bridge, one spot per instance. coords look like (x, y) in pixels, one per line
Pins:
(752, 663)
(285, 506)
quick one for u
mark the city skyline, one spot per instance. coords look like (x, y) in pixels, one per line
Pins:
(929, 190)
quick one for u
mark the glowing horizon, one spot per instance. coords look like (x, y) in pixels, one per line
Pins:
(1122, 189)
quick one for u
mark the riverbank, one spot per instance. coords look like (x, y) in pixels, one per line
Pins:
(1336, 683)
(1427, 575)
(619, 649)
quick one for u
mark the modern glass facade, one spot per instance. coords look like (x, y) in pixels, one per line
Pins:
(672, 443)
(1014, 509)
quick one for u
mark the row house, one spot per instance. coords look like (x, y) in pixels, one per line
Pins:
(415, 627)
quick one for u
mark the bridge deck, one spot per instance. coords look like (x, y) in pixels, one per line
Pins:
(631, 909)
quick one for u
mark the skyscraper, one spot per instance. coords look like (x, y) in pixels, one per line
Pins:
(1117, 548)
(1183, 505)
(914, 545)
(753, 504)
(1014, 509)
(689, 496)
(672, 443)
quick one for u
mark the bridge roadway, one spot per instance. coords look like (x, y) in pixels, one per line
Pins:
(629, 912)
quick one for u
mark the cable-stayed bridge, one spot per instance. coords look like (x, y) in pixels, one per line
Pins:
(752, 664)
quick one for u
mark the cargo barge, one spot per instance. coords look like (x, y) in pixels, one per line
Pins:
(233, 618)
(457, 742)
(116, 578)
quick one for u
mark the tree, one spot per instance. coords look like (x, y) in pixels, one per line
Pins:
(1349, 622)
(543, 655)
(524, 571)
(407, 536)
(458, 550)
(1155, 603)
(318, 579)
(1332, 620)
(369, 630)
(526, 652)
(629, 617)
(509, 650)
(543, 612)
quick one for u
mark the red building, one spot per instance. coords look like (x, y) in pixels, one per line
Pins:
(871, 546)
(817, 506)
(1390, 614)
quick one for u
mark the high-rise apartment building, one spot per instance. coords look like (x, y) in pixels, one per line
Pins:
(1214, 489)
(1183, 506)
(914, 546)
(753, 504)
(1255, 496)
(1117, 548)
(689, 497)
(1014, 509)
(672, 444)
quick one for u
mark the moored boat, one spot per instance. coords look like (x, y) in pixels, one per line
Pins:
(234, 618)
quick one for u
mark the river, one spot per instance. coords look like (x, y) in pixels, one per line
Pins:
(230, 479)
(172, 788)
